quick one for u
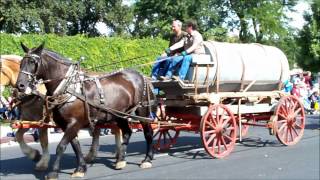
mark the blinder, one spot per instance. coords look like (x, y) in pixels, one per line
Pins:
(37, 61)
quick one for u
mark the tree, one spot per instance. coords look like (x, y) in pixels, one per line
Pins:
(68, 17)
(262, 20)
(309, 40)
(153, 17)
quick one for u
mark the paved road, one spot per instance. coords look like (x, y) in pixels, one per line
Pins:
(260, 156)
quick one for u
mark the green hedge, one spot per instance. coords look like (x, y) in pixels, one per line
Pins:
(97, 51)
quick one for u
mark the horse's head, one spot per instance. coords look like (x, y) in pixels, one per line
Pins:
(30, 69)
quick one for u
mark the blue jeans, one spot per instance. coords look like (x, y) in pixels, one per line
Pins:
(159, 68)
(186, 61)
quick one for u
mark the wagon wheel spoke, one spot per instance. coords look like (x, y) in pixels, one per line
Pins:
(282, 115)
(230, 128)
(284, 111)
(282, 121)
(296, 125)
(222, 116)
(155, 135)
(218, 144)
(224, 143)
(211, 125)
(282, 126)
(283, 132)
(226, 122)
(213, 146)
(287, 134)
(291, 135)
(211, 120)
(165, 138)
(228, 137)
(210, 139)
(159, 139)
(295, 131)
(294, 105)
(210, 132)
(170, 137)
(297, 112)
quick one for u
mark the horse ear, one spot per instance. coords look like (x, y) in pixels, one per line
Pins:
(25, 49)
(39, 49)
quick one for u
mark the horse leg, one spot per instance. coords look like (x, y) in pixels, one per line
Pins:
(31, 153)
(94, 146)
(42, 165)
(118, 141)
(148, 135)
(70, 133)
(126, 134)
(82, 167)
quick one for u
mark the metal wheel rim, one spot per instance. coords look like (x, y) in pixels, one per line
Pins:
(290, 121)
(218, 131)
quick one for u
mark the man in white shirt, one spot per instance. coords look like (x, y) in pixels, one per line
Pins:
(192, 45)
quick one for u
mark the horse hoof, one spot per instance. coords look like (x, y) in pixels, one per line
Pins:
(89, 159)
(121, 164)
(48, 178)
(146, 165)
(77, 175)
(52, 176)
(36, 156)
(41, 168)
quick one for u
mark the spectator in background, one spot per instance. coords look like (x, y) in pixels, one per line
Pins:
(314, 99)
(288, 86)
(14, 113)
(308, 80)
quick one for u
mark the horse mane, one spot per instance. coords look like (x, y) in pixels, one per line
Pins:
(56, 56)
(11, 57)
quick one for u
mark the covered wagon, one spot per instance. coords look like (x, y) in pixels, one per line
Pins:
(228, 89)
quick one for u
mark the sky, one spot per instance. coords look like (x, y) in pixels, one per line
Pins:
(297, 17)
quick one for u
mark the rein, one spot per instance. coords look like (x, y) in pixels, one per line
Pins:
(118, 62)
(74, 75)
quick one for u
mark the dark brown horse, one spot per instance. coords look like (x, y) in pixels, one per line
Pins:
(31, 109)
(122, 91)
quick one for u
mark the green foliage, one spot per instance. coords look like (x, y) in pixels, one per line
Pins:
(267, 18)
(309, 40)
(97, 51)
(64, 17)
(6, 92)
(154, 17)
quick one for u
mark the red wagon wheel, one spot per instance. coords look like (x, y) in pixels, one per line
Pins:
(165, 139)
(290, 121)
(218, 131)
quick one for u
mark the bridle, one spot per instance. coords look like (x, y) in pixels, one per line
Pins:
(38, 62)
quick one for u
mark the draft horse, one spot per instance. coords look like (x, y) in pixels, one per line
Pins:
(30, 109)
(123, 91)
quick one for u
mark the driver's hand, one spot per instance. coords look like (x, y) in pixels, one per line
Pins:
(164, 55)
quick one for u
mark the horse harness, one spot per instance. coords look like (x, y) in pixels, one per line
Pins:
(72, 87)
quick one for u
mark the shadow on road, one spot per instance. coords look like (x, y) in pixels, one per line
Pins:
(23, 165)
